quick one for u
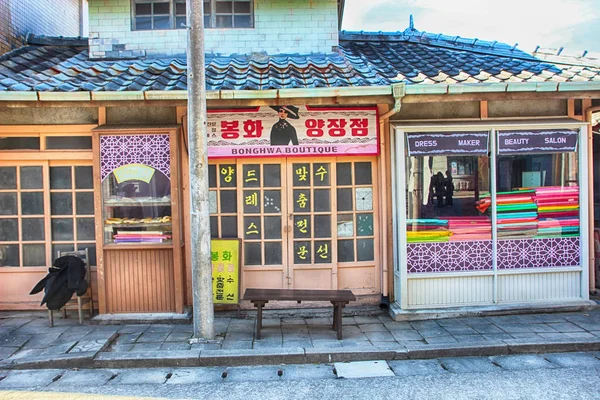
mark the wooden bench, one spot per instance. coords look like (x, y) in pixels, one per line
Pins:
(339, 298)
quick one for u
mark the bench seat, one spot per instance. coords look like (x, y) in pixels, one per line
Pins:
(338, 298)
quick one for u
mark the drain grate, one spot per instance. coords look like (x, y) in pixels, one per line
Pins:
(363, 369)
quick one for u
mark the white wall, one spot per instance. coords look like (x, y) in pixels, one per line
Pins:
(281, 26)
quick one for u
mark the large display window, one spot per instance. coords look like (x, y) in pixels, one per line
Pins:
(443, 204)
(447, 175)
(454, 209)
(136, 189)
(537, 199)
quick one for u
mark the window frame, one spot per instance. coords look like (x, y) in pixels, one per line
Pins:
(210, 23)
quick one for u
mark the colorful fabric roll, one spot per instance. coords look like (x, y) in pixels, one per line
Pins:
(516, 214)
(469, 228)
(427, 230)
(558, 211)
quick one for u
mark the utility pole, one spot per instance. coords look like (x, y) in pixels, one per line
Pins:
(204, 327)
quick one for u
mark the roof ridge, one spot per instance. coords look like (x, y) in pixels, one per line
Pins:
(456, 42)
(570, 57)
(43, 40)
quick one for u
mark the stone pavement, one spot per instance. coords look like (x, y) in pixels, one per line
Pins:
(27, 342)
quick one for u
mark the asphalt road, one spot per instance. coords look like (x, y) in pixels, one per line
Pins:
(546, 376)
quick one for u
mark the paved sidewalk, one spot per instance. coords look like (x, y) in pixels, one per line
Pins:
(27, 342)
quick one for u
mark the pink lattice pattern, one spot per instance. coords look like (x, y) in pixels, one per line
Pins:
(539, 253)
(473, 255)
(119, 150)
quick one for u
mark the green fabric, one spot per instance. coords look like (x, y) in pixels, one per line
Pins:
(516, 207)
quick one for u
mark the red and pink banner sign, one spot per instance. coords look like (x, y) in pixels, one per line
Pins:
(285, 131)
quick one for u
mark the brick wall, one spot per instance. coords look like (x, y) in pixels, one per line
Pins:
(280, 26)
(41, 17)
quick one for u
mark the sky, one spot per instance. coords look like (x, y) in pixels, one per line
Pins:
(572, 24)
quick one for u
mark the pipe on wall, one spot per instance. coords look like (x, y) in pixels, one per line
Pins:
(592, 266)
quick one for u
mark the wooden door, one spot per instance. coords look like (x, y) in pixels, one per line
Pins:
(310, 221)
(304, 223)
(263, 223)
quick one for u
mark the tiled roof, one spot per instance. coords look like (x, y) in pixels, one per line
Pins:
(372, 59)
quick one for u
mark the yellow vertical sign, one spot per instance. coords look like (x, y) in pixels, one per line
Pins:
(225, 255)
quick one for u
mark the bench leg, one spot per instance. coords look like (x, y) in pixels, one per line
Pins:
(338, 318)
(259, 305)
(335, 311)
(79, 310)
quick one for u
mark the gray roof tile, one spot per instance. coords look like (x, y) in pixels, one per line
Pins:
(362, 60)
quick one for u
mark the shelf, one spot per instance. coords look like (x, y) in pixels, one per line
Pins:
(137, 204)
(136, 246)
(147, 225)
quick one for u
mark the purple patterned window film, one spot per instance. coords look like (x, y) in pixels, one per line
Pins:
(475, 255)
(119, 150)
(539, 253)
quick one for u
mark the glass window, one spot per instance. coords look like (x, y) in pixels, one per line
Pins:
(8, 203)
(171, 14)
(33, 229)
(444, 199)
(9, 255)
(31, 178)
(8, 178)
(9, 230)
(137, 206)
(60, 178)
(538, 196)
(32, 203)
(223, 194)
(72, 194)
(68, 142)
(19, 143)
(23, 220)
(355, 227)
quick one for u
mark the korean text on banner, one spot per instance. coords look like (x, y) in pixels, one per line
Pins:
(225, 255)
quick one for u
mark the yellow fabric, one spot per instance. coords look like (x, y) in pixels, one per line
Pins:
(427, 234)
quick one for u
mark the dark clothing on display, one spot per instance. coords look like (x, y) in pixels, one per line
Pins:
(65, 278)
(449, 189)
(283, 133)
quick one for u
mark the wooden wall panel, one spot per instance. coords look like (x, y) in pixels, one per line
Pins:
(16, 285)
(551, 286)
(451, 291)
(261, 279)
(139, 280)
(362, 280)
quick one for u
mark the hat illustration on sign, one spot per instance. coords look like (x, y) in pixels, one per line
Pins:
(292, 111)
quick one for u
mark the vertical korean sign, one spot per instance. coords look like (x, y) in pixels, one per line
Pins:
(283, 131)
(225, 255)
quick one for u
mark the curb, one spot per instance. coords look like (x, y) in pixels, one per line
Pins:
(400, 315)
(205, 358)
(80, 359)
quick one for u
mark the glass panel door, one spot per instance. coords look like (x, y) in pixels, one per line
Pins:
(22, 220)
(310, 220)
(262, 214)
(299, 220)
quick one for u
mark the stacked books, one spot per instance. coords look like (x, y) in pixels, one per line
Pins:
(427, 230)
(558, 210)
(140, 237)
(469, 228)
(517, 214)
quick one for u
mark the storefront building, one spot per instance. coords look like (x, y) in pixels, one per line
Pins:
(299, 186)
(492, 213)
(463, 186)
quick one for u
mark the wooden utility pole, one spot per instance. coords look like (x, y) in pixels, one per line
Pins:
(204, 327)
